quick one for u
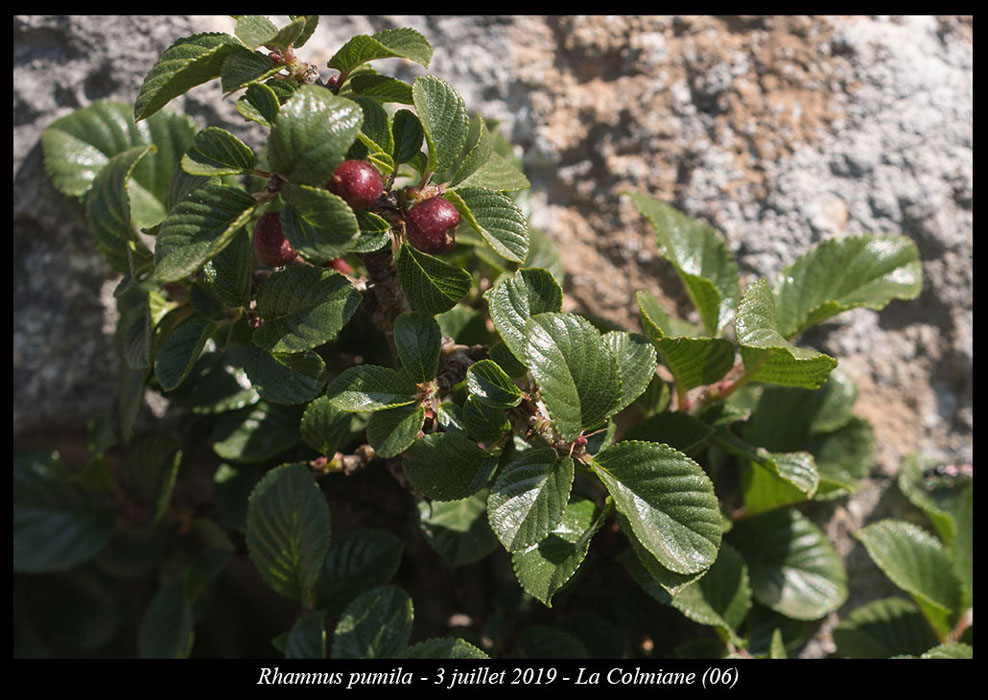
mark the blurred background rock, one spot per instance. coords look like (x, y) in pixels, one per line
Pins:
(779, 131)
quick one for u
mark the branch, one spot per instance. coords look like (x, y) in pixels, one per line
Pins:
(385, 300)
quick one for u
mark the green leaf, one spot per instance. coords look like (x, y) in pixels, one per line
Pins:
(767, 355)
(777, 647)
(417, 338)
(284, 88)
(374, 233)
(489, 384)
(182, 185)
(180, 351)
(793, 567)
(939, 504)
(497, 218)
(674, 428)
(543, 253)
(134, 332)
(444, 119)
(283, 378)
(658, 324)
(323, 426)
(256, 433)
(787, 419)
(478, 148)
(843, 274)
(288, 530)
(243, 67)
(483, 423)
(388, 43)
(382, 87)
(465, 325)
(198, 228)
(377, 124)
(648, 572)
(377, 624)
(668, 500)
(529, 497)
(259, 104)
(432, 285)
(311, 135)
(833, 406)
(186, 63)
(774, 480)
(458, 530)
(916, 562)
(962, 548)
(448, 466)
(393, 431)
(108, 209)
(408, 135)
(356, 562)
(443, 648)
(229, 274)
(784, 419)
(78, 146)
(303, 307)
(577, 375)
(216, 151)
(722, 598)
(317, 223)
(636, 363)
(882, 629)
(148, 473)
(130, 399)
(693, 361)
(700, 256)
(166, 627)
(952, 650)
(770, 479)
(311, 22)
(506, 361)
(292, 32)
(844, 457)
(371, 388)
(216, 384)
(307, 638)
(544, 568)
(255, 30)
(515, 298)
(657, 396)
(56, 525)
(497, 173)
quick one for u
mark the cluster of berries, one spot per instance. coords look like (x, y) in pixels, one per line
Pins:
(429, 223)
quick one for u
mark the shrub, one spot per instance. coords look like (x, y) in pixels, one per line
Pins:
(610, 493)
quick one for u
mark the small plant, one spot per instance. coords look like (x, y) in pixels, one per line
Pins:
(938, 574)
(363, 301)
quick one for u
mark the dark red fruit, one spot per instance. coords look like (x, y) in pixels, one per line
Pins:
(270, 243)
(357, 182)
(430, 225)
(340, 265)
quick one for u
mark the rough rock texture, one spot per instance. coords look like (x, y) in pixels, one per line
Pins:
(780, 131)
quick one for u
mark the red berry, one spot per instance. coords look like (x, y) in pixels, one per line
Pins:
(357, 182)
(340, 265)
(430, 225)
(270, 243)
